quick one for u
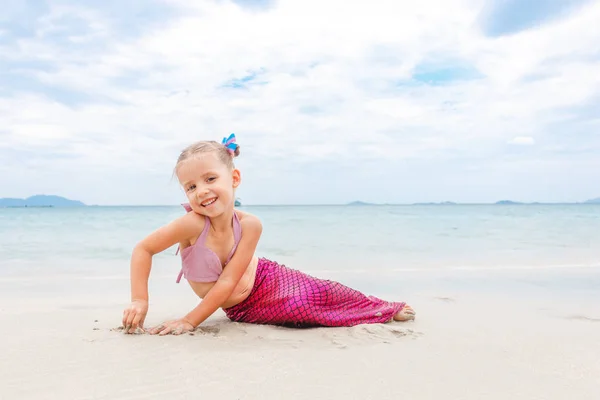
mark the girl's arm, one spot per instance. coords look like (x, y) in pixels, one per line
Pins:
(180, 230)
(232, 273)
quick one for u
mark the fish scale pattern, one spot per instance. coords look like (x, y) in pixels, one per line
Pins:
(288, 297)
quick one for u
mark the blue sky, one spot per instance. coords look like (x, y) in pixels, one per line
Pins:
(382, 101)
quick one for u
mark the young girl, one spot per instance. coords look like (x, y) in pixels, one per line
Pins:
(217, 246)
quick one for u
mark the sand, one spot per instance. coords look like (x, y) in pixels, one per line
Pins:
(61, 340)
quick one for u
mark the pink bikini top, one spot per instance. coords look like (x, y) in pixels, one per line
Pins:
(201, 264)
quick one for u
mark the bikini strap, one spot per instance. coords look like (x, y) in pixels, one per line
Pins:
(202, 237)
(237, 228)
(237, 234)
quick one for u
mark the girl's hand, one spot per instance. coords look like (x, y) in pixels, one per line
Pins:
(175, 327)
(134, 316)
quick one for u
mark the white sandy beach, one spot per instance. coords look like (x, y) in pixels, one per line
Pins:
(438, 153)
(62, 341)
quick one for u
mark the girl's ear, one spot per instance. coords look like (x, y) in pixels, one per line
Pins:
(237, 178)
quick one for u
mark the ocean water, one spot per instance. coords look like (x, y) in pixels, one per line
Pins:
(376, 247)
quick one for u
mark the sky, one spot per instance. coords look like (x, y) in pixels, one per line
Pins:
(331, 101)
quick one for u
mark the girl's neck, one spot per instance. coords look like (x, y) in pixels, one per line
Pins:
(223, 223)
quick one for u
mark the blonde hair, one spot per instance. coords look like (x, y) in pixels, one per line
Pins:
(209, 146)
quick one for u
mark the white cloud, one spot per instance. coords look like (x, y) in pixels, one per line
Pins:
(334, 84)
(522, 140)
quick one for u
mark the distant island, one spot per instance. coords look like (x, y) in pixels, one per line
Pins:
(510, 202)
(40, 200)
(443, 203)
(58, 201)
(359, 203)
(451, 203)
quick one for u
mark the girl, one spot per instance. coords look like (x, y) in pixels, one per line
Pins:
(217, 246)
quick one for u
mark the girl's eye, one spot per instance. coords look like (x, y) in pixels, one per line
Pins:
(192, 187)
(212, 178)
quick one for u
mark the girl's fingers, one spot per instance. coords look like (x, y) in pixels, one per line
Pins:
(159, 328)
(156, 329)
(165, 331)
(170, 327)
(129, 320)
(125, 316)
(136, 321)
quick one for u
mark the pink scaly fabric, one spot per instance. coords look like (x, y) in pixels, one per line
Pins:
(284, 296)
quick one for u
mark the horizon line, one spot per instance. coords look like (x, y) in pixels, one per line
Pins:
(499, 203)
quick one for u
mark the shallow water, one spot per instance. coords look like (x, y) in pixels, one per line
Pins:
(379, 248)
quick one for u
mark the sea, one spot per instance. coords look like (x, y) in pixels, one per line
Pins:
(548, 249)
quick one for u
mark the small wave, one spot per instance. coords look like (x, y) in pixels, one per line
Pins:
(456, 268)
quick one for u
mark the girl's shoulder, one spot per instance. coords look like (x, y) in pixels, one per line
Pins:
(192, 224)
(248, 220)
(243, 215)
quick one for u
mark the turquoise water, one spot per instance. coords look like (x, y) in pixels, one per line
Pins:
(376, 244)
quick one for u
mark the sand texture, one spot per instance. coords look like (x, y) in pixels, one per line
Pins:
(460, 347)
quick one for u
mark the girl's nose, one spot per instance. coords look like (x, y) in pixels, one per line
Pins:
(201, 192)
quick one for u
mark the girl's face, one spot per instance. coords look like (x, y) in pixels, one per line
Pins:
(208, 184)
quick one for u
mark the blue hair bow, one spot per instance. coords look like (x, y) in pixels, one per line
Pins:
(230, 143)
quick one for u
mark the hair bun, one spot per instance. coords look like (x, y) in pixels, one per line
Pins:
(236, 151)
